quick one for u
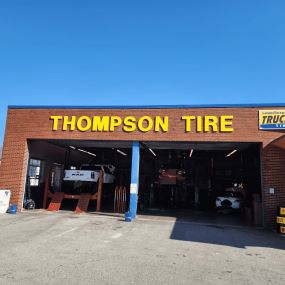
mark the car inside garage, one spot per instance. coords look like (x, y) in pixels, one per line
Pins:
(182, 179)
(53, 162)
(179, 179)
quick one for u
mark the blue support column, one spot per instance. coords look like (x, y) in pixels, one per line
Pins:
(135, 179)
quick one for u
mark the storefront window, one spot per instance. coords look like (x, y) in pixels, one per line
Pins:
(34, 172)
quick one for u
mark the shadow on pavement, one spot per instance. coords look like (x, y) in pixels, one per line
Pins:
(239, 237)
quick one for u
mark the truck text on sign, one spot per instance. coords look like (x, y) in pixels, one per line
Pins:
(272, 119)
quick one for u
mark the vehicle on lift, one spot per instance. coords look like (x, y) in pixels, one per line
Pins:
(171, 176)
(84, 180)
(233, 198)
(90, 173)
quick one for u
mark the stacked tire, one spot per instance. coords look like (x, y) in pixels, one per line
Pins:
(281, 220)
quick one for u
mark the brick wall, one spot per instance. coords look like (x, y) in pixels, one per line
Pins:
(273, 176)
(14, 167)
(24, 124)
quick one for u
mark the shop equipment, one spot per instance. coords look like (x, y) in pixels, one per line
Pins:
(83, 198)
(120, 199)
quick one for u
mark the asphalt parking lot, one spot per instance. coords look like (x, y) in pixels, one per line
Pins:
(65, 248)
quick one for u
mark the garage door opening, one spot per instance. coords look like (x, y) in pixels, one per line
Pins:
(73, 167)
(198, 181)
(201, 181)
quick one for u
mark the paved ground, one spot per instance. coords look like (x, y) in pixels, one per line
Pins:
(64, 248)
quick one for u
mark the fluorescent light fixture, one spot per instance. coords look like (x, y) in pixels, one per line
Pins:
(88, 152)
(231, 153)
(191, 152)
(154, 154)
(121, 152)
(72, 147)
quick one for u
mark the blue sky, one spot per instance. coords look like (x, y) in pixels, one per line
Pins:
(141, 52)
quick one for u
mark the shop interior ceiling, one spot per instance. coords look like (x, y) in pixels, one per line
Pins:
(154, 144)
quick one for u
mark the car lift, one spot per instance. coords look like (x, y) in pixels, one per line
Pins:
(83, 199)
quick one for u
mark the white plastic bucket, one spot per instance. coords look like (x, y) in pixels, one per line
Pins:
(4, 200)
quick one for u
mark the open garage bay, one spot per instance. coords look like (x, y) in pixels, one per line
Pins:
(186, 180)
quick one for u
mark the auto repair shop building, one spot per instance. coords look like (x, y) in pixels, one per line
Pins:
(214, 145)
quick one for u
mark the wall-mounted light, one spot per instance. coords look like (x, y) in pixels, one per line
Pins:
(191, 152)
(154, 154)
(121, 152)
(88, 152)
(231, 153)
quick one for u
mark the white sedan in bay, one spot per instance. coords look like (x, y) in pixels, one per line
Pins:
(230, 200)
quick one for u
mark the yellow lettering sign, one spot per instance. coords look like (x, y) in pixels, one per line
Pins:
(145, 124)
(55, 120)
(129, 124)
(100, 124)
(188, 120)
(211, 124)
(84, 124)
(115, 122)
(69, 123)
(207, 124)
(226, 123)
(200, 124)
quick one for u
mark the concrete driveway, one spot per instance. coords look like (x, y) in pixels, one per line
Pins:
(65, 248)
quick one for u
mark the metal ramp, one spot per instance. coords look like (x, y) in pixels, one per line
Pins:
(83, 199)
(83, 203)
(56, 201)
